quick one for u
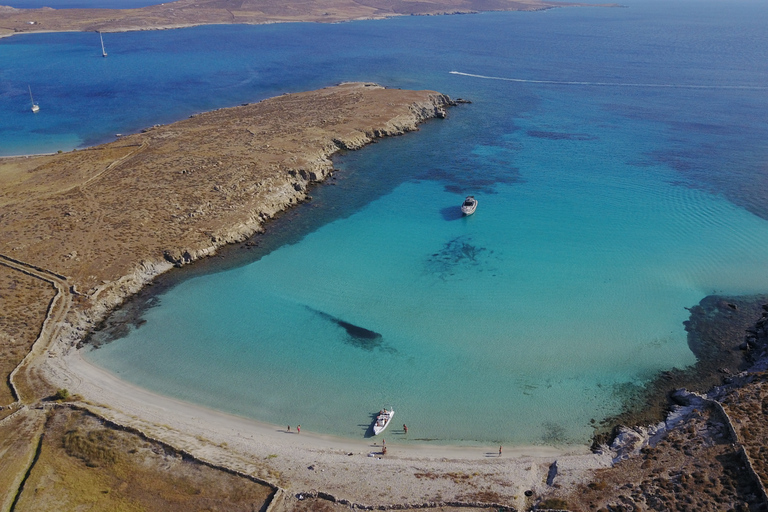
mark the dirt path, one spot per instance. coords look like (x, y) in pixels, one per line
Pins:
(57, 312)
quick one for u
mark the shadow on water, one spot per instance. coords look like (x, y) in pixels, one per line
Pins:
(353, 330)
(357, 336)
(368, 432)
(450, 213)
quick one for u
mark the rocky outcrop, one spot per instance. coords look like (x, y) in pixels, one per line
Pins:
(199, 184)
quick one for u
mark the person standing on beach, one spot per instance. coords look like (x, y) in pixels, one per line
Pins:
(298, 429)
(499, 451)
(405, 428)
(289, 428)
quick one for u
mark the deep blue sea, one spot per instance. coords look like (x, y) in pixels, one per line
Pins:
(620, 161)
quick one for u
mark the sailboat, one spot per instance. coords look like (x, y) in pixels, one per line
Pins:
(103, 51)
(35, 106)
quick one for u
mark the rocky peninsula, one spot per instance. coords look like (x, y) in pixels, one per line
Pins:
(187, 13)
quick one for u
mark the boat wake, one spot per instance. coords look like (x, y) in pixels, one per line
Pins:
(612, 84)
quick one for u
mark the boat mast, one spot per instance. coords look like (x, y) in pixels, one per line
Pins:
(103, 51)
(35, 108)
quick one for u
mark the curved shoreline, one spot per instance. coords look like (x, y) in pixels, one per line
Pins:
(189, 13)
(99, 178)
(95, 289)
(261, 449)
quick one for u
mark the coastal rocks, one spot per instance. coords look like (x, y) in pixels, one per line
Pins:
(551, 474)
(181, 257)
(628, 442)
(230, 186)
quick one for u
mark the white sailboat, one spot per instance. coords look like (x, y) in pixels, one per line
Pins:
(103, 51)
(35, 106)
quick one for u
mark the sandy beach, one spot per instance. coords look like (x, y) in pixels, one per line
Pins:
(264, 450)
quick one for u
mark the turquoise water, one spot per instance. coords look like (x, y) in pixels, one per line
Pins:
(604, 211)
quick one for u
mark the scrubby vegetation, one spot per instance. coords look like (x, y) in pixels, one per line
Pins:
(61, 394)
(86, 464)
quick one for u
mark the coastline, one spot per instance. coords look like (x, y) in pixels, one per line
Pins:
(262, 450)
(300, 464)
(89, 291)
(188, 13)
(312, 464)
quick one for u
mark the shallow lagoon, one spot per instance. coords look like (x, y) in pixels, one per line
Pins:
(604, 212)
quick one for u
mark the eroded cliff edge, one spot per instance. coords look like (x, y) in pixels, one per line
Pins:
(111, 217)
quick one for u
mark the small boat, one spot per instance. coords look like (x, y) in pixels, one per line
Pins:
(103, 51)
(469, 205)
(35, 106)
(382, 420)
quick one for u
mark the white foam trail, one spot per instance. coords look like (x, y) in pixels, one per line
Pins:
(612, 84)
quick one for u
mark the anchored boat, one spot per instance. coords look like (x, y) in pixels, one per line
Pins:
(469, 205)
(35, 106)
(382, 420)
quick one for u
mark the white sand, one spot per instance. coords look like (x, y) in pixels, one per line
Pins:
(407, 474)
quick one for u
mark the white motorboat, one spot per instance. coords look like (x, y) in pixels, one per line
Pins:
(382, 420)
(469, 205)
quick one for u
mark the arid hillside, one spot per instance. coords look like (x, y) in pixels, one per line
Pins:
(184, 13)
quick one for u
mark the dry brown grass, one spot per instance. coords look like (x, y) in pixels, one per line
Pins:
(748, 408)
(18, 442)
(696, 468)
(93, 215)
(85, 463)
(198, 12)
(23, 304)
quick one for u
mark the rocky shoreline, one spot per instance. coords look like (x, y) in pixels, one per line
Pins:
(716, 335)
(238, 195)
(707, 454)
(189, 13)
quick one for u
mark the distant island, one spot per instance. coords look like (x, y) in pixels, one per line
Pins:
(187, 13)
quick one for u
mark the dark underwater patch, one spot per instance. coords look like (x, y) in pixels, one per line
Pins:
(122, 321)
(356, 331)
(459, 255)
(540, 134)
(474, 177)
(357, 336)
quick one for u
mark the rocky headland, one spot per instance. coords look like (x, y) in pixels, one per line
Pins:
(187, 13)
(112, 217)
(83, 230)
